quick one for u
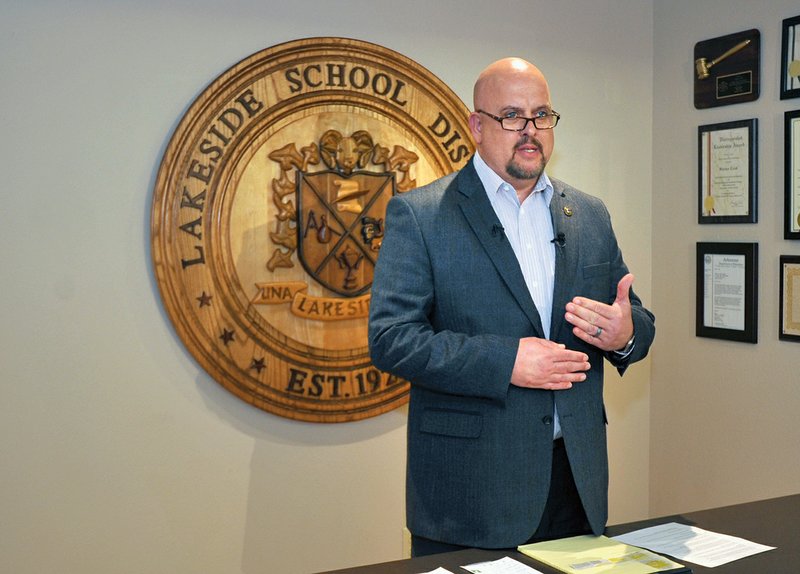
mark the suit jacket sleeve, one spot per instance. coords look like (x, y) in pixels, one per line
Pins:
(643, 319)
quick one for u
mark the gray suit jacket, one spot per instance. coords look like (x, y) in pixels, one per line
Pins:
(449, 305)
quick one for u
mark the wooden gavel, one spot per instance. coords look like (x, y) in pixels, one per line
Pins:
(702, 65)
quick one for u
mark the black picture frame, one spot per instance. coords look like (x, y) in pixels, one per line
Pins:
(727, 291)
(725, 151)
(788, 325)
(790, 58)
(791, 175)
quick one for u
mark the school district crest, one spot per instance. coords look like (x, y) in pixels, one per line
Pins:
(269, 212)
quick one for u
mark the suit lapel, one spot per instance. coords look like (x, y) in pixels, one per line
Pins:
(481, 217)
(565, 221)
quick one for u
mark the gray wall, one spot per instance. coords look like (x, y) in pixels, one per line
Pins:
(120, 454)
(724, 414)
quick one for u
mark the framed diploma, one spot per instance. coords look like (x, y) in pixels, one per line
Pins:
(727, 291)
(791, 175)
(728, 172)
(790, 59)
(790, 298)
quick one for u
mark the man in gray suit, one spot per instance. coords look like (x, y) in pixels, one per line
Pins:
(498, 294)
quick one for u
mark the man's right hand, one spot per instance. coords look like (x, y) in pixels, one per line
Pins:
(543, 364)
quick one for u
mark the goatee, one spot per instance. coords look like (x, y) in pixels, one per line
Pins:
(515, 170)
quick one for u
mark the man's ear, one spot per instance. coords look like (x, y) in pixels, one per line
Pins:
(475, 126)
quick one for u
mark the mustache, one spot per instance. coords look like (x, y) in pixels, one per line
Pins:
(526, 139)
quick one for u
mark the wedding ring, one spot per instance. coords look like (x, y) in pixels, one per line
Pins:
(598, 332)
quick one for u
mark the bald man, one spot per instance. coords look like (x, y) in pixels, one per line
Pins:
(498, 293)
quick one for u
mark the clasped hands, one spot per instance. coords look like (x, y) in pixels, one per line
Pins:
(544, 364)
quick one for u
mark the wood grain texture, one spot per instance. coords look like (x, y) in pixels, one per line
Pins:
(267, 217)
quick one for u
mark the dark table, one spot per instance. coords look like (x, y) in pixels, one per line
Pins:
(773, 522)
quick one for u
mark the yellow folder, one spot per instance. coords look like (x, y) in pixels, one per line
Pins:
(599, 554)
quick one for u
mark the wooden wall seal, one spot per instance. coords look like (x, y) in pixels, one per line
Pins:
(268, 212)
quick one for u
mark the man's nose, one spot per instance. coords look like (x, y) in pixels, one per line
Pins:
(530, 127)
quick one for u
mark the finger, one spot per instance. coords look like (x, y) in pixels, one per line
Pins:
(547, 344)
(560, 386)
(567, 358)
(587, 326)
(588, 309)
(565, 380)
(568, 365)
(590, 337)
(624, 288)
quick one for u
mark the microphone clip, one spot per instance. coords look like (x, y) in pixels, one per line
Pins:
(560, 239)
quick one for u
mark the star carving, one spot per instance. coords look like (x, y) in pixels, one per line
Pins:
(204, 299)
(226, 337)
(258, 365)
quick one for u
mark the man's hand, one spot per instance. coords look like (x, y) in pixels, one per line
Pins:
(607, 327)
(543, 364)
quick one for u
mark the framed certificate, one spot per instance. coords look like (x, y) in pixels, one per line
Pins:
(790, 298)
(790, 59)
(727, 291)
(791, 175)
(727, 172)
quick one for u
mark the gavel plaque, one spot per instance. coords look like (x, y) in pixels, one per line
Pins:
(727, 69)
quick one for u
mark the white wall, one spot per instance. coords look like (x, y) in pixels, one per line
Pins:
(724, 424)
(119, 454)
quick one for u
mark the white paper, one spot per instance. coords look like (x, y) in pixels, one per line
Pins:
(693, 544)
(439, 570)
(506, 565)
(724, 285)
(725, 172)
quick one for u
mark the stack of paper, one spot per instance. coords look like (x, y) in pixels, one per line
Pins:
(597, 554)
(693, 544)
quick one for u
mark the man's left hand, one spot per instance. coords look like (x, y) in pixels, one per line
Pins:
(607, 327)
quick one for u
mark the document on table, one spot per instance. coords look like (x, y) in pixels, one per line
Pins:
(598, 554)
(505, 565)
(693, 544)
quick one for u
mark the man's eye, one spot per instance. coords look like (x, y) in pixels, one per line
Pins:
(511, 115)
(540, 114)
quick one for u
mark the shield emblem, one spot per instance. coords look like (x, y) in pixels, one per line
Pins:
(340, 226)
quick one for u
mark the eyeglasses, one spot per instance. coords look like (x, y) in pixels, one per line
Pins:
(541, 121)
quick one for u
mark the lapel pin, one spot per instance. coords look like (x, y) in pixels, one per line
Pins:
(567, 211)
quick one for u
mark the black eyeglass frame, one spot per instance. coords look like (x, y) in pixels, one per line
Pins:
(553, 113)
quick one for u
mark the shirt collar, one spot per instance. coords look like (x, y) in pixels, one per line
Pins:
(493, 183)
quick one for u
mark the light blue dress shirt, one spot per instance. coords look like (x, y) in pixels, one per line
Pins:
(528, 227)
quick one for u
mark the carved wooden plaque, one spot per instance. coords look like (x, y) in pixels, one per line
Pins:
(268, 213)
